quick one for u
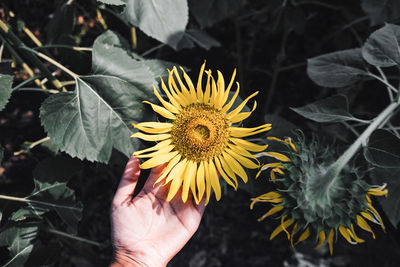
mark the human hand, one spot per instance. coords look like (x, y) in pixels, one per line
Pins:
(147, 230)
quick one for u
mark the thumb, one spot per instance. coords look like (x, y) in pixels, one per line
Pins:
(128, 181)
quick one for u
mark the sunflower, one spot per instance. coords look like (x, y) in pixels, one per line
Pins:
(306, 208)
(198, 139)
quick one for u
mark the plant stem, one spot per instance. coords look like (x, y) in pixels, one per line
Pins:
(19, 199)
(335, 169)
(81, 239)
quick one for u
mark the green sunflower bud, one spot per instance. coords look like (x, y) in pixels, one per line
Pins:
(314, 198)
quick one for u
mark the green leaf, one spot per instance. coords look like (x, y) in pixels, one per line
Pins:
(193, 37)
(159, 67)
(164, 20)
(337, 69)
(111, 59)
(380, 11)
(19, 239)
(383, 149)
(59, 198)
(331, 109)
(88, 122)
(280, 126)
(5, 89)
(57, 169)
(25, 213)
(209, 12)
(112, 2)
(382, 47)
(391, 204)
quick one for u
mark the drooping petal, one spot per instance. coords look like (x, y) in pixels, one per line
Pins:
(354, 236)
(200, 180)
(228, 170)
(364, 225)
(293, 233)
(158, 152)
(214, 180)
(272, 211)
(208, 181)
(279, 229)
(176, 179)
(243, 132)
(240, 107)
(321, 237)
(153, 127)
(188, 176)
(330, 241)
(304, 236)
(277, 156)
(242, 160)
(153, 148)
(345, 233)
(221, 171)
(243, 115)
(193, 186)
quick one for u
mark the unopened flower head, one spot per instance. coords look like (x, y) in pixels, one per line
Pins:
(308, 203)
(199, 141)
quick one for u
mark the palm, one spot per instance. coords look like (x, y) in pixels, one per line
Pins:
(148, 226)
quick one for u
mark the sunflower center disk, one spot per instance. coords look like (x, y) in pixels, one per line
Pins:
(200, 132)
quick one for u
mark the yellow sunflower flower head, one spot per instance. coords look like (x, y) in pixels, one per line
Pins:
(309, 204)
(198, 139)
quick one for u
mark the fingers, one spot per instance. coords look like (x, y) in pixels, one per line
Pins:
(154, 174)
(128, 181)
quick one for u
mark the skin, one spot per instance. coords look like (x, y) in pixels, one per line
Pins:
(147, 230)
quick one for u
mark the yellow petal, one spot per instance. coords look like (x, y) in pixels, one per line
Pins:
(214, 180)
(284, 226)
(151, 137)
(158, 152)
(248, 145)
(177, 180)
(376, 214)
(369, 217)
(167, 169)
(206, 96)
(167, 105)
(321, 237)
(175, 91)
(228, 170)
(271, 212)
(162, 111)
(330, 241)
(213, 97)
(176, 171)
(364, 225)
(221, 91)
(270, 195)
(223, 174)
(200, 177)
(354, 236)
(170, 96)
(228, 89)
(243, 132)
(193, 187)
(304, 236)
(277, 156)
(235, 166)
(208, 181)
(199, 84)
(160, 145)
(188, 176)
(241, 151)
(293, 233)
(184, 90)
(158, 160)
(156, 127)
(345, 233)
(242, 160)
(240, 107)
(242, 116)
(279, 229)
(191, 87)
(230, 103)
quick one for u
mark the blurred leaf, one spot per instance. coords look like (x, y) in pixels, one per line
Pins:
(90, 121)
(57, 169)
(59, 198)
(331, 109)
(193, 37)
(380, 11)
(280, 126)
(337, 69)
(110, 59)
(164, 20)
(19, 239)
(25, 213)
(383, 149)
(1, 154)
(62, 23)
(296, 19)
(382, 47)
(391, 204)
(112, 2)
(50, 145)
(209, 12)
(5, 89)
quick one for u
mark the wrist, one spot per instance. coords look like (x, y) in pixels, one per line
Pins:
(128, 260)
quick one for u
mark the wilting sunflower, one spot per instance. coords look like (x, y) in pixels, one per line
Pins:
(311, 204)
(199, 142)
